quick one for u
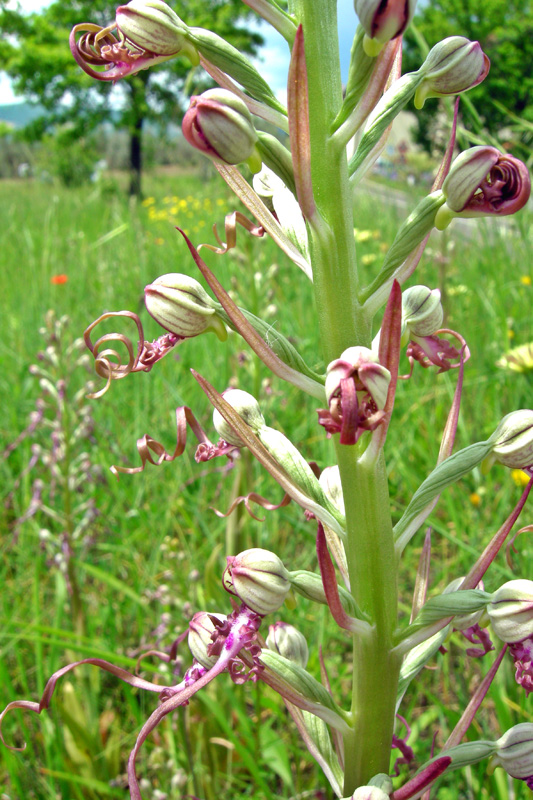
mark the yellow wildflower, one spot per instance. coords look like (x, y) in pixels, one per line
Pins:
(520, 359)
(525, 280)
(520, 477)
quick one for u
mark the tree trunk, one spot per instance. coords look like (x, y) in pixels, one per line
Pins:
(136, 157)
(137, 88)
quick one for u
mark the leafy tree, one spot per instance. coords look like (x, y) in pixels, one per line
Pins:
(35, 53)
(504, 29)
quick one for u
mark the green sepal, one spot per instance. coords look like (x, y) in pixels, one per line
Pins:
(359, 73)
(442, 606)
(227, 58)
(416, 659)
(277, 343)
(444, 474)
(299, 680)
(411, 233)
(319, 733)
(309, 585)
(393, 101)
(277, 158)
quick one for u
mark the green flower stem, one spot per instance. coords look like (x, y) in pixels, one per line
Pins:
(343, 323)
(372, 570)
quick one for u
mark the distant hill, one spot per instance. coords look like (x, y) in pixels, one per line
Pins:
(20, 114)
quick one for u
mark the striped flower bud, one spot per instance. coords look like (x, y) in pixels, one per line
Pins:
(451, 67)
(152, 26)
(482, 182)
(201, 627)
(513, 440)
(383, 20)
(219, 124)
(182, 306)
(259, 579)
(511, 611)
(422, 312)
(286, 640)
(515, 752)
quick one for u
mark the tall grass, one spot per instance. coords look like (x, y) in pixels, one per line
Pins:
(159, 552)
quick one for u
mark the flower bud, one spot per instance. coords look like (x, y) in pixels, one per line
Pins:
(511, 611)
(482, 181)
(452, 66)
(383, 20)
(259, 578)
(369, 793)
(152, 26)
(201, 627)
(422, 312)
(330, 481)
(181, 305)
(286, 640)
(515, 752)
(513, 440)
(247, 407)
(219, 124)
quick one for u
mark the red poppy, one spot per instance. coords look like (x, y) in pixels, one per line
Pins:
(57, 280)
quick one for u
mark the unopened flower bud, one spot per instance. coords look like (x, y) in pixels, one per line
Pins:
(201, 627)
(369, 793)
(515, 752)
(182, 306)
(422, 312)
(286, 640)
(482, 181)
(219, 124)
(383, 20)
(511, 611)
(247, 407)
(259, 578)
(513, 440)
(451, 67)
(152, 26)
(330, 481)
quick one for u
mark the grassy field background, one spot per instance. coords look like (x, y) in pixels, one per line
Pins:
(154, 554)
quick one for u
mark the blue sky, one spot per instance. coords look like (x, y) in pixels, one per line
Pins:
(274, 59)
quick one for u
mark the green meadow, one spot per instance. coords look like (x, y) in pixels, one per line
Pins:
(155, 552)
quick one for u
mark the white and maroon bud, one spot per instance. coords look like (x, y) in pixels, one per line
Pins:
(152, 26)
(451, 67)
(483, 182)
(513, 440)
(515, 752)
(259, 579)
(422, 312)
(201, 627)
(286, 640)
(511, 611)
(182, 306)
(383, 20)
(369, 793)
(219, 124)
